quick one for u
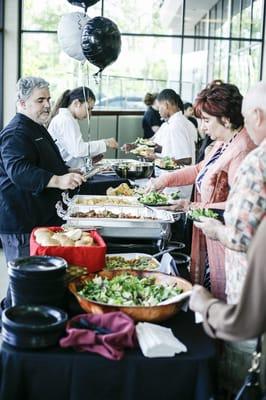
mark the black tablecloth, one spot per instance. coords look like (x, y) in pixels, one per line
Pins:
(98, 184)
(60, 374)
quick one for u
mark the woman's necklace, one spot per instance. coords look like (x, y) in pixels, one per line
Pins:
(225, 145)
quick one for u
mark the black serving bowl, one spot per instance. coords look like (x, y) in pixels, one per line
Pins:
(33, 327)
(137, 170)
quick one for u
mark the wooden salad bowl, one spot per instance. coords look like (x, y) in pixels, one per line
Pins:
(138, 313)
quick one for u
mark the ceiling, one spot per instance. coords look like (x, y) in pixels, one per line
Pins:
(171, 11)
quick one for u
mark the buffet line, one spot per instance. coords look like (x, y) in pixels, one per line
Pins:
(74, 257)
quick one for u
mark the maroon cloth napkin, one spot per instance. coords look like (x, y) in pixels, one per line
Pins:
(110, 345)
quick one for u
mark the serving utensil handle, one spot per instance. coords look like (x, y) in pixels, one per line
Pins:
(66, 199)
(60, 210)
(165, 251)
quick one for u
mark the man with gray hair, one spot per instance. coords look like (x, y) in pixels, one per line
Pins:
(32, 172)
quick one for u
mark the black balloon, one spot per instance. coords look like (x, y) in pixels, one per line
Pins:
(101, 41)
(83, 3)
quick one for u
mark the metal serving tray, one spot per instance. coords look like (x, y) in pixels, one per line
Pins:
(117, 227)
(143, 215)
(115, 161)
(85, 200)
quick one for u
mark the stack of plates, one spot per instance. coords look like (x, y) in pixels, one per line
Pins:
(38, 280)
(33, 326)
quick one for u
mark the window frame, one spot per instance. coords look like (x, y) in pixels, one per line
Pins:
(197, 35)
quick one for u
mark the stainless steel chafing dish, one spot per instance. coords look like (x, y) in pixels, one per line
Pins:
(148, 223)
(115, 161)
(90, 200)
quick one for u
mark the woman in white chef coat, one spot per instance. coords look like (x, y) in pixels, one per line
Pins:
(64, 127)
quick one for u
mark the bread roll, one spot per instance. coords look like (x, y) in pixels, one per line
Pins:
(83, 243)
(67, 242)
(49, 242)
(79, 243)
(60, 237)
(39, 236)
(87, 239)
(86, 234)
(41, 230)
(74, 234)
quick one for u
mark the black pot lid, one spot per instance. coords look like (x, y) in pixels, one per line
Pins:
(38, 263)
(33, 318)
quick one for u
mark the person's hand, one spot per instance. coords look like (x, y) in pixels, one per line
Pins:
(209, 226)
(150, 156)
(181, 204)
(75, 170)
(128, 146)
(158, 148)
(97, 158)
(68, 181)
(153, 185)
(111, 143)
(198, 298)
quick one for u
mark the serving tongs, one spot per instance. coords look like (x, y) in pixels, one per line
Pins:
(168, 250)
(176, 298)
(95, 170)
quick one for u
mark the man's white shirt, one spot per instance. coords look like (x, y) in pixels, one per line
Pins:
(176, 136)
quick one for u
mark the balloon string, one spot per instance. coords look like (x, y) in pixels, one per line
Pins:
(89, 162)
(97, 77)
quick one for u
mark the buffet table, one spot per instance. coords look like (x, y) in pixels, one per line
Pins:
(60, 374)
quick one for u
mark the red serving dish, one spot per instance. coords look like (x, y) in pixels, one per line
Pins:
(90, 257)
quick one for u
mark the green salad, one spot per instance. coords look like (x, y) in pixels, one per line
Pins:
(128, 290)
(169, 163)
(202, 212)
(154, 198)
(147, 142)
(175, 195)
(140, 263)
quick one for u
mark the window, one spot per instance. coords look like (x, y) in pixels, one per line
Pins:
(165, 43)
(2, 59)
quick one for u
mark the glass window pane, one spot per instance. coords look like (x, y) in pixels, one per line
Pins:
(226, 19)
(257, 20)
(212, 21)
(246, 19)
(145, 16)
(157, 67)
(194, 75)
(210, 67)
(45, 14)
(196, 13)
(245, 63)
(235, 20)
(219, 18)
(61, 71)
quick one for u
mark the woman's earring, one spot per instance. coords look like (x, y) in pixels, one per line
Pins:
(228, 125)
